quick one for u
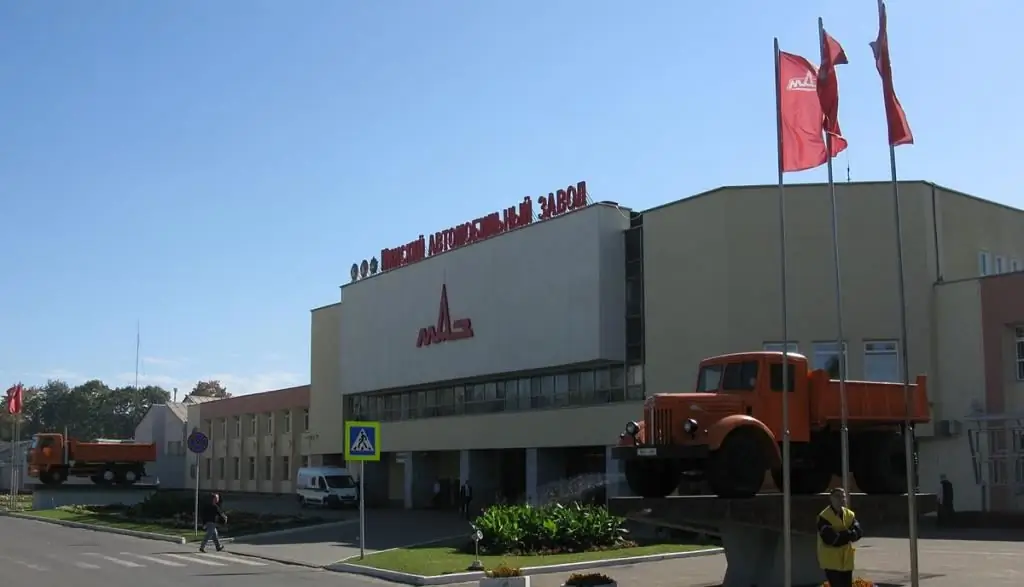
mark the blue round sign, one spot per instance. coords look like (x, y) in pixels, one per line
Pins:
(198, 442)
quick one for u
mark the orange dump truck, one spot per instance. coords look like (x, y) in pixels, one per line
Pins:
(53, 458)
(729, 432)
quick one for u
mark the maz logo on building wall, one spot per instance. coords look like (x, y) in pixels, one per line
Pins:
(446, 329)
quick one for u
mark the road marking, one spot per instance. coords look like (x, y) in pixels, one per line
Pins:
(82, 565)
(24, 564)
(115, 560)
(194, 559)
(235, 559)
(154, 559)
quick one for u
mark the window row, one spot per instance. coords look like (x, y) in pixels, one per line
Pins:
(578, 388)
(994, 265)
(284, 471)
(881, 358)
(1019, 344)
(285, 418)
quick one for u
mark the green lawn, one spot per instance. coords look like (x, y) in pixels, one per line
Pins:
(437, 559)
(115, 521)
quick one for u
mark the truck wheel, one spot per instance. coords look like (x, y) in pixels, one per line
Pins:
(738, 467)
(126, 477)
(805, 481)
(652, 478)
(878, 463)
(105, 477)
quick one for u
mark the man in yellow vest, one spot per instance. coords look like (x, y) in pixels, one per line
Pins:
(838, 529)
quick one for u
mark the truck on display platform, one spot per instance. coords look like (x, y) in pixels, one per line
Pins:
(53, 459)
(729, 432)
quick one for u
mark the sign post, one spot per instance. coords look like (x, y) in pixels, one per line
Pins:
(197, 444)
(362, 443)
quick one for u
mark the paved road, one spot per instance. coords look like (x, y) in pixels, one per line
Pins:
(47, 555)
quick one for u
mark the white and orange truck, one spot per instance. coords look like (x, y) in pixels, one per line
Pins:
(53, 459)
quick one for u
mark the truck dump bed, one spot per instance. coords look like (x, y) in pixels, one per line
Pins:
(108, 452)
(867, 400)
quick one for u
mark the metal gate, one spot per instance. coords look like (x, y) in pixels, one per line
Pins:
(997, 454)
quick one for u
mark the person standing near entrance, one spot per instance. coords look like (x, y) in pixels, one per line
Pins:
(465, 498)
(210, 515)
(838, 529)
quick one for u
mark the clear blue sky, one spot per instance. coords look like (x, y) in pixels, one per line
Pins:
(212, 169)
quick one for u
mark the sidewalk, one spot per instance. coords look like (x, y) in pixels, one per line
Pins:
(385, 529)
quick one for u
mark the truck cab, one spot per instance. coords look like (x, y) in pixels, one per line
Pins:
(728, 431)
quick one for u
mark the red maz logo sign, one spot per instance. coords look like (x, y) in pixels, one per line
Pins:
(446, 329)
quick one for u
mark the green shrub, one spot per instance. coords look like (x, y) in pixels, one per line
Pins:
(164, 505)
(502, 571)
(551, 528)
(588, 580)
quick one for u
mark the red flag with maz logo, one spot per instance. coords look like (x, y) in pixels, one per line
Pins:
(832, 54)
(899, 128)
(802, 145)
(14, 399)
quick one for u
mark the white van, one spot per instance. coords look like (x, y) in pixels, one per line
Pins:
(326, 486)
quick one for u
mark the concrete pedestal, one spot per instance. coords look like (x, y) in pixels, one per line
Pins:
(754, 556)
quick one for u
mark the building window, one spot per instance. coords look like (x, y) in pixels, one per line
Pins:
(1020, 352)
(984, 263)
(224, 428)
(270, 422)
(252, 424)
(778, 347)
(826, 356)
(286, 469)
(268, 468)
(287, 421)
(220, 468)
(305, 460)
(207, 428)
(1000, 264)
(238, 426)
(305, 420)
(192, 471)
(252, 468)
(236, 467)
(882, 361)
(1014, 265)
(175, 448)
(207, 468)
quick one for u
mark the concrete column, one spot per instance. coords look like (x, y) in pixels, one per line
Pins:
(407, 483)
(464, 469)
(612, 475)
(532, 497)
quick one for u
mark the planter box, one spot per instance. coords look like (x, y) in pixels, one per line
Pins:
(505, 582)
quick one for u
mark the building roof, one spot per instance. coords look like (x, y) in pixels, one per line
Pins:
(199, 399)
(180, 410)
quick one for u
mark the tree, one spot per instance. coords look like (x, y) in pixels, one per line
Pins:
(211, 388)
(87, 411)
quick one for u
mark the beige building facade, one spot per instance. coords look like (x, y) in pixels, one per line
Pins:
(254, 441)
(668, 287)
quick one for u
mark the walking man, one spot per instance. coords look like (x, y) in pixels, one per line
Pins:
(210, 515)
(465, 498)
(838, 529)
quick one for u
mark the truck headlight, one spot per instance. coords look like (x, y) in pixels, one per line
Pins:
(690, 426)
(632, 429)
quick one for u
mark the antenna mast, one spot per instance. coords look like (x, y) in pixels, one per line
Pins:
(138, 345)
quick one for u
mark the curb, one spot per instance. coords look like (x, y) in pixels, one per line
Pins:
(98, 528)
(411, 579)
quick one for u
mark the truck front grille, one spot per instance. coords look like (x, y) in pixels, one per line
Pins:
(658, 426)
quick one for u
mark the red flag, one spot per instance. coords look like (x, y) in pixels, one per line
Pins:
(14, 399)
(802, 145)
(899, 130)
(832, 54)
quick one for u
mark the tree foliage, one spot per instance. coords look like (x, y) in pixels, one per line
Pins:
(90, 410)
(211, 388)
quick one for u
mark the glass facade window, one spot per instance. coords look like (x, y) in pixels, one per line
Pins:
(580, 387)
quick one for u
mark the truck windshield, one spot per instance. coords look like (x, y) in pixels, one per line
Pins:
(340, 481)
(710, 378)
(35, 442)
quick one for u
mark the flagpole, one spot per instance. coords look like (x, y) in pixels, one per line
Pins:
(787, 513)
(844, 432)
(908, 430)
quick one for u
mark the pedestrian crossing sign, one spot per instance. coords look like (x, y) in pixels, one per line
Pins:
(362, 441)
